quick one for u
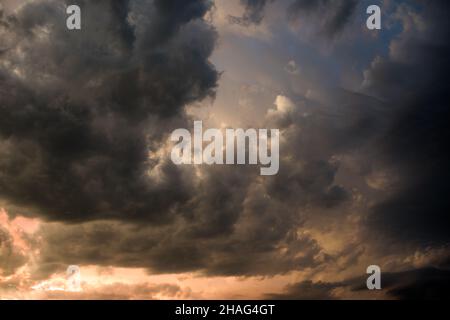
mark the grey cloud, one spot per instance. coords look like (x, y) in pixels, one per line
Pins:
(425, 284)
(315, 135)
(306, 290)
(79, 120)
(81, 112)
(234, 223)
(234, 240)
(429, 283)
(415, 144)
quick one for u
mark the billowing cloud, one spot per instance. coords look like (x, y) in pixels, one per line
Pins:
(80, 111)
(84, 124)
(416, 86)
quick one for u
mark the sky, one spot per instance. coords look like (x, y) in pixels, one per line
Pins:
(86, 177)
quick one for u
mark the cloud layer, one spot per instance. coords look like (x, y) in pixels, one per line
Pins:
(81, 111)
(85, 118)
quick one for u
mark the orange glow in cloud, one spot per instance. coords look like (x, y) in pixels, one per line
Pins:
(97, 282)
(18, 227)
(136, 283)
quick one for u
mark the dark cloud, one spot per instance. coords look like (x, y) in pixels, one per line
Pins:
(243, 247)
(426, 283)
(430, 284)
(80, 111)
(234, 223)
(316, 133)
(413, 80)
(79, 118)
(306, 290)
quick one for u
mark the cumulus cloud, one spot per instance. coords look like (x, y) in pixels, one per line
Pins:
(81, 111)
(416, 86)
(78, 126)
(428, 284)
(84, 122)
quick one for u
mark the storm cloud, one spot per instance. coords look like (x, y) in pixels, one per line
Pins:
(427, 283)
(81, 111)
(415, 143)
(84, 124)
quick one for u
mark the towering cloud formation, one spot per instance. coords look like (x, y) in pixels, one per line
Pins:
(85, 117)
(80, 111)
(413, 80)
